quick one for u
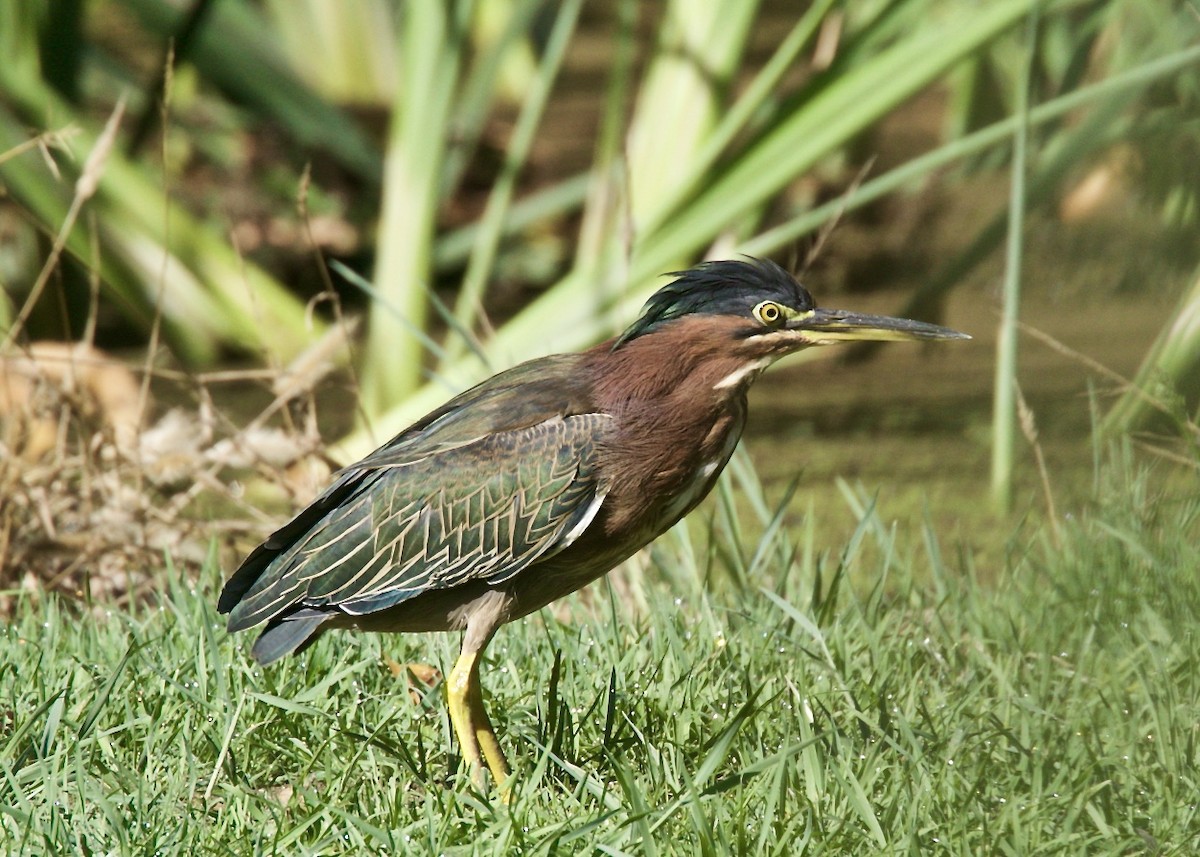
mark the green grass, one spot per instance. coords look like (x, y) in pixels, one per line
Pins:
(876, 699)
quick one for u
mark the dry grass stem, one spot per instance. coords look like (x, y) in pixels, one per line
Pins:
(1029, 429)
(85, 187)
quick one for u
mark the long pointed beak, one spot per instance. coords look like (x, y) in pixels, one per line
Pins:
(827, 326)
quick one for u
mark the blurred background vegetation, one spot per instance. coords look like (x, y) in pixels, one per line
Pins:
(218, 192)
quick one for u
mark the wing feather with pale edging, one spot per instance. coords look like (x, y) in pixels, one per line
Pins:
(400, 524)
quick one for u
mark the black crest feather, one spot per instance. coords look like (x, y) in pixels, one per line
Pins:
(727, 287)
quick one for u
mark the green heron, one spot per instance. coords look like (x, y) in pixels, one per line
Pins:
(537, 481)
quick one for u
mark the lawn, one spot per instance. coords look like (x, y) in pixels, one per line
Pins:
(871, 697)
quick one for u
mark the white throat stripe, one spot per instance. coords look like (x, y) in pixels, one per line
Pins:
(741, 373)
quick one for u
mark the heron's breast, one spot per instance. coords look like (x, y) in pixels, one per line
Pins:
(700, 481)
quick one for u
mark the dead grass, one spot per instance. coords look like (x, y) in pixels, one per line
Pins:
(97, 485)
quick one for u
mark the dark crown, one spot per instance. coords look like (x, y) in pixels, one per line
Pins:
(727, 287)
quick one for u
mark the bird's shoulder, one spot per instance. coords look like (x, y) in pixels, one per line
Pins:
(527, 395)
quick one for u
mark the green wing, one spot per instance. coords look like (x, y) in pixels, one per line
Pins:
(421, 516)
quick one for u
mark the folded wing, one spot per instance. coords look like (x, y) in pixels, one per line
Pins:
(417, 518)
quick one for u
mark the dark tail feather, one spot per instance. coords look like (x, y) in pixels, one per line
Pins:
(246, 576)
(285, 637)
(283, 539)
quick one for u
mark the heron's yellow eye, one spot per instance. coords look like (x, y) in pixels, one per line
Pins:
(769, 313)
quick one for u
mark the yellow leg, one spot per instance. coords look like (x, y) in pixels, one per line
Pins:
(464, 696)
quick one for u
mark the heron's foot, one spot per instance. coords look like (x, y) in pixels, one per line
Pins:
(464, 696)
